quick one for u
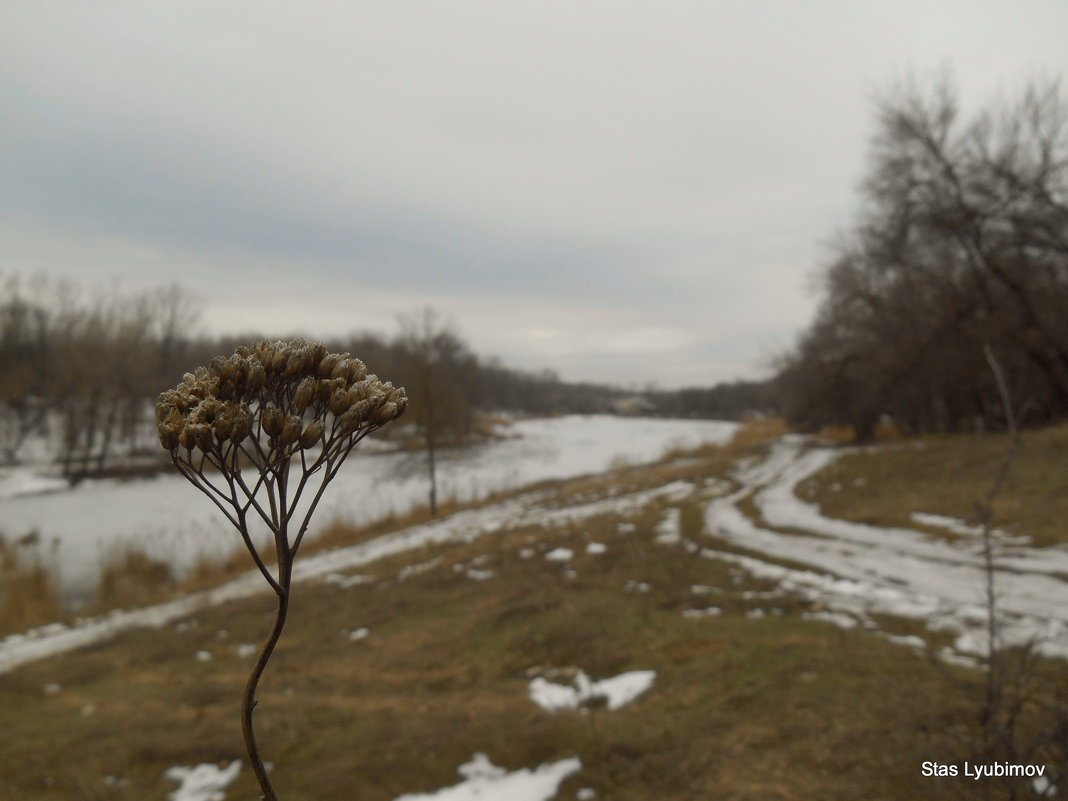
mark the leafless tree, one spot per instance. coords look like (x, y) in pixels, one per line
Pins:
(962, 240)
(439, 371)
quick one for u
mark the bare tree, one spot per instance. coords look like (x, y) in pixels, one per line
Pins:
(439, 371)
(962, 240)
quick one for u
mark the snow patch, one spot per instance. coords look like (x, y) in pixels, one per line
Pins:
(711, 611)
(417, 569)
(204, 782)
(484, 781)
(839, 619)
(668, 531)
(345, 582)
(617, 691)
(559, 555)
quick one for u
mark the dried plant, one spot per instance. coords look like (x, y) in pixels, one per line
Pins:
(286, 415)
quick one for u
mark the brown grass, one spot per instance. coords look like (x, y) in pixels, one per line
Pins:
(132, 578)
(777, 708)
(846, 435)
(29, 594)
(949, 475)
(443, 675)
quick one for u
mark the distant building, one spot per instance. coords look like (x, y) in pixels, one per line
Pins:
(633, 406)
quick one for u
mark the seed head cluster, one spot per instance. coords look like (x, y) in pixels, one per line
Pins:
(285, 395)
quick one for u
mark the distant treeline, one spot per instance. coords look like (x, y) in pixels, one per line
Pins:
(80, 370)
(956, 268)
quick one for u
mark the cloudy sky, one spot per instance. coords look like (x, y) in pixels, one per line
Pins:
(621, 191)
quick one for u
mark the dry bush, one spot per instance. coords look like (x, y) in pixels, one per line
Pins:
(29, 593)
(133, 578)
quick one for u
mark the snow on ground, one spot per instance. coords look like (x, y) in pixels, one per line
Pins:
(24, 481)
(484, 781)
(668, 531)
(82, 526)
(894, 571)
(346, 582)
(559, 555)
(710, 611)
(957, 526)
(204, 782)
(465, 526)
(617, 691)
(356, 635)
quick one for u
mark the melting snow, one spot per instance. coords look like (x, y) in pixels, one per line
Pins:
(202, 783)
(617, 691)
(559, 555)
(957, 526)
(345, 582)
(596, 548)
(839, 619)
(889, 570)
(667, 530)
(711, 611)
(414, 570)
(484, 781)
(1043, 787)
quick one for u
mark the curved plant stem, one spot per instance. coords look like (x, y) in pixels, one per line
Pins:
(248, 703)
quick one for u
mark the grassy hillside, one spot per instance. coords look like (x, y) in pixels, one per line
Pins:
(755, 702)
(950, 475)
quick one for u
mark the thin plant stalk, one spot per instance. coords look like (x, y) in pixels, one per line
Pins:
(285, 413)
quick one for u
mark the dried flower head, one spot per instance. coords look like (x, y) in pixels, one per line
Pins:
(285, 411)
(276, 390)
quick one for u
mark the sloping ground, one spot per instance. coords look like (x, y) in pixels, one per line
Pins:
(408, 655)
(895, 571)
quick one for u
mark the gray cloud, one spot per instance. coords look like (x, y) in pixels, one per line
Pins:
(585, 186)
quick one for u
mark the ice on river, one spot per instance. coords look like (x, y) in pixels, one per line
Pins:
(81, 527)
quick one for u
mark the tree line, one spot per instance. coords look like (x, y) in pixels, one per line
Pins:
(956, 268)
(80, 370)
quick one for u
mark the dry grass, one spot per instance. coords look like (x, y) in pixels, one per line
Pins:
(777, 708)
(29, 594)
(132, 578)
(845, 435)
(949, 475)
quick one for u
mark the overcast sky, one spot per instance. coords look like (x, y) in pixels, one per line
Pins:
(624, 192)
